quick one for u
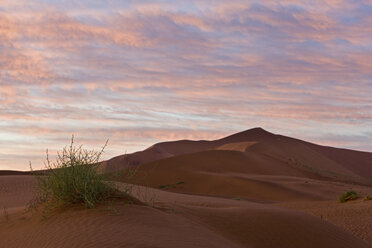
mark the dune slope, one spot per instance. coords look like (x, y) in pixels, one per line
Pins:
(178, 220)
(236, 174)
(306, 158)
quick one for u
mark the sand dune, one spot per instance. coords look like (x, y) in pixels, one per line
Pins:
(306, 158)
(251, 189)
(303, 158)
(358, 162)
(155, 152)
(178, 220)
(354, 216)
(260, 225)
(128, 226)
(134, 159)
(174, 148)
(16, 191)
(233, 174)
(10, 172)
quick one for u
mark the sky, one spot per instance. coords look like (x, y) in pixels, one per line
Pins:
(142, 72)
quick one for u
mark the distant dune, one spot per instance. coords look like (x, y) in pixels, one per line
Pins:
(250, 189)
(10, 172)
(286, 156)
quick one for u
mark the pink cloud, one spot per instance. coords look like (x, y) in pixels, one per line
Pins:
(145, 72)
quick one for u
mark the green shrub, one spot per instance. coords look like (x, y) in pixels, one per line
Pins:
(74, 179)
(367, 198)
(349, 195)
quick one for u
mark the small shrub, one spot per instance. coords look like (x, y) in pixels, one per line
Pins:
(74, 179)
(349, 195)
(367, 198)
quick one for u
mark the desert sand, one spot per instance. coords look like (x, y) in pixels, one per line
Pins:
(251, 189)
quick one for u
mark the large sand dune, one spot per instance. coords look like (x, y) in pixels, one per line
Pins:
(251, 189)
(306, 158)
(237, 174)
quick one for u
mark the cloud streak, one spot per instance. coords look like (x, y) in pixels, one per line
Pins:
(140, 72)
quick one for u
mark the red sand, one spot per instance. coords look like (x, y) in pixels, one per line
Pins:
(178, 220)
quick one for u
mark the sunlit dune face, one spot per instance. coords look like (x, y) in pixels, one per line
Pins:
(138, 73)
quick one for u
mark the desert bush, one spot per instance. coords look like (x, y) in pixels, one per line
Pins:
(367, 198)
(348, 195)
(73, 178)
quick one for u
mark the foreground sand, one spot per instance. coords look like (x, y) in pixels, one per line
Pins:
(183, 220)
(355, 216)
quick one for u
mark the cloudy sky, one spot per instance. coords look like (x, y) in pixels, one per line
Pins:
(141, 72)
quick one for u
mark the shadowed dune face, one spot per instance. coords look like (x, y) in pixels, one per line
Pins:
(358, 162)
(303, 158)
